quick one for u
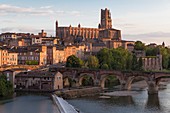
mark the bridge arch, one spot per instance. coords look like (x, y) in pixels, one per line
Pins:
(84, 76)
(158, 80)
(104, 77)
(131, 79)
(68, 82)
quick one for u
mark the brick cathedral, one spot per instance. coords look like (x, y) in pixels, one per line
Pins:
(104, 30)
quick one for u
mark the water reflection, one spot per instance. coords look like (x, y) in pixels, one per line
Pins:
(28, 104)
(123, 101)
(153, 102)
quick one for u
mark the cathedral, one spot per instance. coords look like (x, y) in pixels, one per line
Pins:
(104, 30)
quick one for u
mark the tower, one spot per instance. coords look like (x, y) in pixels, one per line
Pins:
(56, 25)
(106, 21)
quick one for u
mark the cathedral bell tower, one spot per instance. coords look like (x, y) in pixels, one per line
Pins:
(106, 21)
(56, 25)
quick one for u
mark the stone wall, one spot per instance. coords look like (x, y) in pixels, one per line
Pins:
(79, 92)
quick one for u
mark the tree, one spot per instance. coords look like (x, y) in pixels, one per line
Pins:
(105, 57)
(165, 52)
(140, 64)
(118, 59)
(6, 87)
(139, 45)
(134, 63)
(73, 61)
(93, 62)
(150, 51)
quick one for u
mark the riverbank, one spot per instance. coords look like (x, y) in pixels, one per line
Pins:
(77, 93)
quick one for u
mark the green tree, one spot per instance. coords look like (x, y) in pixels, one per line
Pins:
(139, 45)
(93, 62)
(134, 63)
(118, 59)
(165, 52)
(152, 51)
(73, 61)
(6, 87)
(140, 64)
(105, 57)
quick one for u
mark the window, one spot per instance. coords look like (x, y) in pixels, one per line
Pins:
(30, 53)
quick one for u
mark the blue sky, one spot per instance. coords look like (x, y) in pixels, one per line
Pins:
(145, 20)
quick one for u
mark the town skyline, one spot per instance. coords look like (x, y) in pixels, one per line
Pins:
(137, 20)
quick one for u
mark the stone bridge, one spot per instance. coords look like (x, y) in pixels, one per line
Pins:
(125, 77)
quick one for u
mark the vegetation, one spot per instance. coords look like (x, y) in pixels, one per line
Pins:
(93, 62)
(87, 81)
(73, 61)
(111, 81)
(118, 59)
(139, 45)
(6, 87)
(32, 62)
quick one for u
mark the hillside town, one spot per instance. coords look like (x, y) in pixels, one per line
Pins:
(81, 61)
(39, 49)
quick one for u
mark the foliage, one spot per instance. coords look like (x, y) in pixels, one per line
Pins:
(32, 62)
(140, 64)
(111, 81)
(87, 81)
(150, 51)
(93, 62)
(73, 61)
(118, 59)
(104, 66)
(105, 57)
(165, 52)
(139, 45)
(6, 87)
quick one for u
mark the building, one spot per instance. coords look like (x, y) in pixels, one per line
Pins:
(152, 63)
(118, 43)
(104, 29)
(10, 74)
(35, 54)
(12, 58)
(5, 36)
(38, 81)
(4, 56)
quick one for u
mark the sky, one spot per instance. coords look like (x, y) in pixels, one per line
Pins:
(144, 20)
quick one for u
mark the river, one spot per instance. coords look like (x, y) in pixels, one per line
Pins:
(28, 104)
(137, 103)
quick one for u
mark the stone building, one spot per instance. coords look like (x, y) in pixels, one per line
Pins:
(35, 53)
(104, 29)
(3, 55)
(10, 74)
(152, 62)
(38, 81)
(8, 57)
(5, 36)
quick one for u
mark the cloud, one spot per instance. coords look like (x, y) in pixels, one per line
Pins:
(149, 35)
(25, 29)
(10, 9)
(7, 21)
(6, 9)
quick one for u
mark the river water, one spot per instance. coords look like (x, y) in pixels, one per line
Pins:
(138, 103)
(28, 104)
